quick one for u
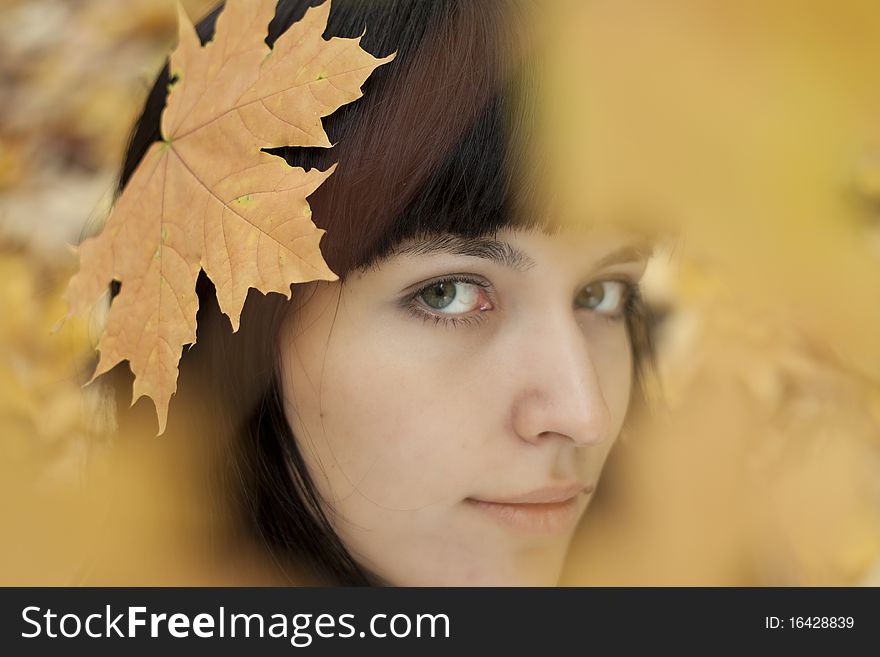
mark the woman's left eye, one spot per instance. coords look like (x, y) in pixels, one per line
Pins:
(607, 297)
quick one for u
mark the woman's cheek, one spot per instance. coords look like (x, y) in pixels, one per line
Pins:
(395, 424)
(611, 354)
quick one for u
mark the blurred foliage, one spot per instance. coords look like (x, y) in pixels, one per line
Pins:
(73, 77)
(748, 131)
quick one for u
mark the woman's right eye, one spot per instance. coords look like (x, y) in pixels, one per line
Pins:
(454, 297)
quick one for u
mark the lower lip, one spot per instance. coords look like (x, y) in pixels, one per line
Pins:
(533, 519)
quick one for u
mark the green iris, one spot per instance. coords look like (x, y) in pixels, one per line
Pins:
(439, 295)
(591, 296)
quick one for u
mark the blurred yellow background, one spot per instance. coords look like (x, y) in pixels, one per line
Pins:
(749, 132)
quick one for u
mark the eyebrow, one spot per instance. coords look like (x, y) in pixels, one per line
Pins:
(489, 248)
(629, 253)
(506, 255)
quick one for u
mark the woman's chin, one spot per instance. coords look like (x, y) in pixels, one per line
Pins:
(546, 575)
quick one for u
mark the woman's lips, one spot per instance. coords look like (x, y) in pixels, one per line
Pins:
(542, 511)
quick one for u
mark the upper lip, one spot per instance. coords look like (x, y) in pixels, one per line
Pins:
(545, 495)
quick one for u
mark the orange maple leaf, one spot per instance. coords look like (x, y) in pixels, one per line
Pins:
(206, 197)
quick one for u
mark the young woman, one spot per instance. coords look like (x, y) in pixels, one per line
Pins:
(441, 414)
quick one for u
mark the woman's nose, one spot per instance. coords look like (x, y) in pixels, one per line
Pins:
(561, 393)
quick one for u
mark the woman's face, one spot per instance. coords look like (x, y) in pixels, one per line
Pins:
(456, 403)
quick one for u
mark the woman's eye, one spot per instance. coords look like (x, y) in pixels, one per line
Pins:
(606, 297)
(453, 297)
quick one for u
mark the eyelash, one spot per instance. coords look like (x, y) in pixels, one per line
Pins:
(631, 298)
(413, 307)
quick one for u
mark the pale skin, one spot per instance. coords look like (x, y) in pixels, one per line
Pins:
(407, 408)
